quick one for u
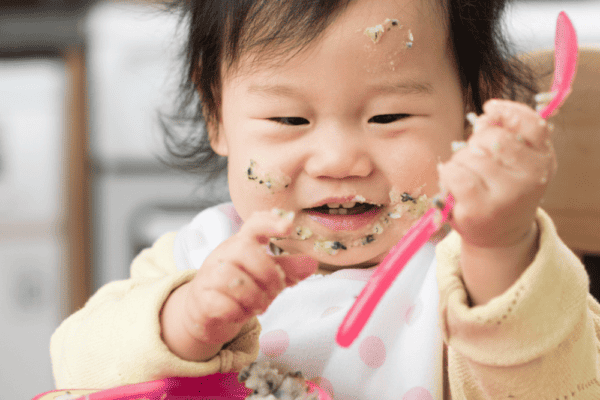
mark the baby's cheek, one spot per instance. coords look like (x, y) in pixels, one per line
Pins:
(272, 180)
(254, 187)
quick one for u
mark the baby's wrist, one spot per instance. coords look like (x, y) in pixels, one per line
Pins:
(175, 329)
(498, 238)
(490, 271)
(522, 240)
(520, 237)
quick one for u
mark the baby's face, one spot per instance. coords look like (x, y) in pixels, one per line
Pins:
(347, 133)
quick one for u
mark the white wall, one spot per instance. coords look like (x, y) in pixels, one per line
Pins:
(31, 126)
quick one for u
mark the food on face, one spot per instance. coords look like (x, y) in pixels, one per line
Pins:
(377, 229)
(289, 215)
(275, 182)
(411, 39)
(414, 207)
(407, 197)
(405, 202)
(401, 204)
(375, 32)
(303, 233)
(331, 247)
(367, 239)
(394, 196)
(268, 384)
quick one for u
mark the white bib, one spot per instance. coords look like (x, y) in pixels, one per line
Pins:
(397, 356)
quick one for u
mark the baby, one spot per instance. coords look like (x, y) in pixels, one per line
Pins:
(336, 140)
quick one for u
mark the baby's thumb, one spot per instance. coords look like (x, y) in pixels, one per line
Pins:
(297, 267)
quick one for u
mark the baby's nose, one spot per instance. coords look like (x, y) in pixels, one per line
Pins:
(339, 155)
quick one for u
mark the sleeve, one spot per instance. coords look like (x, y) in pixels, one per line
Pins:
(538, 340)
(115, 338)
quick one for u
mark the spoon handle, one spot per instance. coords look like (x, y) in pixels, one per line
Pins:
(389, 269)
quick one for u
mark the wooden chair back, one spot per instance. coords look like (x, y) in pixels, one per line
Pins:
(573, 197)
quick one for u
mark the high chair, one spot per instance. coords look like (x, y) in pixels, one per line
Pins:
(573, 197)
(572, 200)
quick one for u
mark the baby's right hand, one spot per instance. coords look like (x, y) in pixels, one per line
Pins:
(239, 279)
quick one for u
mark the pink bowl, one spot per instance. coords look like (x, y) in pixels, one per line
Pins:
(211, 387)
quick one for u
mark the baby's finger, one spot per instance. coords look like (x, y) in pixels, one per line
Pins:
(214, 316)
(521, 160)
(466, 184)
(519, 119)
(253, 259)
(263, 225)
(461, 179)
(297, 267)
(236, 283)
(500, 146)
(211, 303)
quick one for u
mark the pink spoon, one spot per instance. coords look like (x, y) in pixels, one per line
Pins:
(565, 63)
(565, 66)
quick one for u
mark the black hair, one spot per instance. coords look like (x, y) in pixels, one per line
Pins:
(219, 31)
(487, 66)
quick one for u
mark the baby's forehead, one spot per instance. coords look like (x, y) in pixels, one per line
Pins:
(387, 35)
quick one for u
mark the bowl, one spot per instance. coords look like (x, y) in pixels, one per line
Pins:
(210, 387)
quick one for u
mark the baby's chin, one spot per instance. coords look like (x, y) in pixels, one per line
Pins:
(362, 249)
(352, 262)
(325, 268)
(335, 259)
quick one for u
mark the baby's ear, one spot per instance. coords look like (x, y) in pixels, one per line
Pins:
(218, 141)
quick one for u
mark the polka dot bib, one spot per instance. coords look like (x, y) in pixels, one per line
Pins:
(398, 355)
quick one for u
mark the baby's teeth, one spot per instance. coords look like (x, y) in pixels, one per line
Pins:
(349, 204)
(337, 211)
(333, 205)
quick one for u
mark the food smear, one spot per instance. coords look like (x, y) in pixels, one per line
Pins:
(273, 181)
(376, 32)
(402, 204)
(411, 39)
(268, 384)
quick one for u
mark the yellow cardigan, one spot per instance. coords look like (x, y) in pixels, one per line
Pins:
(538, 340)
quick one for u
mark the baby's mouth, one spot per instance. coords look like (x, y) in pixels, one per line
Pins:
(350, 208)
(344, 216)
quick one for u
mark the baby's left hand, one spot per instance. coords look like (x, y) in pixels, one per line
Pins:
(499, 178)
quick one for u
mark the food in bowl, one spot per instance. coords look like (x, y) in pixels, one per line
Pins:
(268, 384)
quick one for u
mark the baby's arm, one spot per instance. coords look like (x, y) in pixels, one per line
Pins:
(535, 332)
(498, 181)
(537, 340)
(115, 339)
(237, 281)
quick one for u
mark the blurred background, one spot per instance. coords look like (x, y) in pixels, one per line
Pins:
(81, 188)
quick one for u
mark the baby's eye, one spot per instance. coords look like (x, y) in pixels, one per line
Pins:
(387, 118)
(290, 120)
